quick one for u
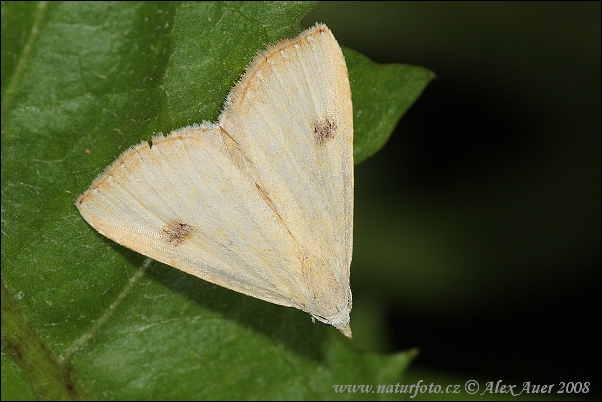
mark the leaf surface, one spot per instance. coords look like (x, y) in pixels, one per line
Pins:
(81, 82)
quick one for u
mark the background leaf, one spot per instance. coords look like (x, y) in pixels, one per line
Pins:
(81, 82)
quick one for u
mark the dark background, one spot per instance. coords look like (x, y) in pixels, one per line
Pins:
(477, 227)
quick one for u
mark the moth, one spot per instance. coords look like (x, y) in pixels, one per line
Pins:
(260, 202)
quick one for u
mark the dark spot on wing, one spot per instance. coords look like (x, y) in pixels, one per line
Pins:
(176, 233)
(324, 130)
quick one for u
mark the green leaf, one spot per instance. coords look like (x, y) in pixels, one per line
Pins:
(381, 95)
(82, 317)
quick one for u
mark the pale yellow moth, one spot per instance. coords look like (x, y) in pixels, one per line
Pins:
(260, 202)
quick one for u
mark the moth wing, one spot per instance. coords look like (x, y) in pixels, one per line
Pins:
(184, 202)
(291, 117)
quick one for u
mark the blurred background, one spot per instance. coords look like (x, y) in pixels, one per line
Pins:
(477, 227)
